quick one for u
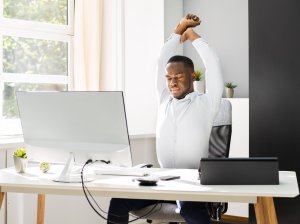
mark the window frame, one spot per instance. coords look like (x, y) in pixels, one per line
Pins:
(35, 30)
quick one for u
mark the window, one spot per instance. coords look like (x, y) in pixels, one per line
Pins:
(36, 38)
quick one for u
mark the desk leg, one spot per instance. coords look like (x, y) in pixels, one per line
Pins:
(265, 211)
(41, 209)
(2, 195)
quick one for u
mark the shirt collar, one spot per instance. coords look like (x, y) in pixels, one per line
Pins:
(188, 96)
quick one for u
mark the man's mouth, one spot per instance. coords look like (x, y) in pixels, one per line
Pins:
(175, 89)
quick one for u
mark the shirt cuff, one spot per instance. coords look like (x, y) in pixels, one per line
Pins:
(200, 40)
(175, 36)
(200, 43)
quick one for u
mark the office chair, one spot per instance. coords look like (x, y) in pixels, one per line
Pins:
(219, 145)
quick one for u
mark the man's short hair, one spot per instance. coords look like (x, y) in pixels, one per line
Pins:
(188, 63)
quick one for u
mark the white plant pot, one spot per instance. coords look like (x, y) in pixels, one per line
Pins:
(199, 86)
(20, 164)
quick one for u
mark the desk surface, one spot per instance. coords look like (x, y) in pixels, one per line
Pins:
(188, 187)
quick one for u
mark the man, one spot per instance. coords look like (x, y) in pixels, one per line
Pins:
(185, 117)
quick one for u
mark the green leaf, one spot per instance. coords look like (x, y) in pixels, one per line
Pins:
(230, 85)
(199, 74)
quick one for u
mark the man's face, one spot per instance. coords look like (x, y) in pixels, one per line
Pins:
(180, 79)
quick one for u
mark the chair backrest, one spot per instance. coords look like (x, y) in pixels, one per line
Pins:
(219, 146)
(220, 137)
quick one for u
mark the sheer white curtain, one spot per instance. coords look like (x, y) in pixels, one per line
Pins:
(97, 44)
(88, 20)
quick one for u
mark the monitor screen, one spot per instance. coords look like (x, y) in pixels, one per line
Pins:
(86, 123)
(74, 121)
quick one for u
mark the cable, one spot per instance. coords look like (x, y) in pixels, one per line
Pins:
(103, 161)
(150, 212)
(84, 188)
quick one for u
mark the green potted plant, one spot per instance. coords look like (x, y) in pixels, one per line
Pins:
(229, 89)
(199, 83)
(20, 159)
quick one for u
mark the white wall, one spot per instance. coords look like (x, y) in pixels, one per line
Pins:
(144, 37)
(173, 12)
(225, 26)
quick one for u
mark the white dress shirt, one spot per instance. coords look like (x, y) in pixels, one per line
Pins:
(184, 125)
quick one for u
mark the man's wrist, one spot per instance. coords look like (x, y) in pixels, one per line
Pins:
(191, 35)
(179, 29)
(194, 37)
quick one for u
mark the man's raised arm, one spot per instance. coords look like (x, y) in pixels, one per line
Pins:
(213, 73)
(169, 50)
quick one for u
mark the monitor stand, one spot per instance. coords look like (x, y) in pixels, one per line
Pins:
(67, 176)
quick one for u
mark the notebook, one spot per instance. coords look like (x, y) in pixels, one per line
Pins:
(239, 171)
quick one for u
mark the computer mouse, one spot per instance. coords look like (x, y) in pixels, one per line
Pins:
(147, 181)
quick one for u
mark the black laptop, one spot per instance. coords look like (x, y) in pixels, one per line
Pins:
(239, 171)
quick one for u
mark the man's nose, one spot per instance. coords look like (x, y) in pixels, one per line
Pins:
(173, 82)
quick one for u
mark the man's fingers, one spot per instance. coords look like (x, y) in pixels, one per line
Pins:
(195, 18)
(188, 16)
(190, 20)
(192, 16)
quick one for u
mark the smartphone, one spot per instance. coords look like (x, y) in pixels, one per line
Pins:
(169, 177)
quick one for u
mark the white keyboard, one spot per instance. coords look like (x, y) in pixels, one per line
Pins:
(122, 171)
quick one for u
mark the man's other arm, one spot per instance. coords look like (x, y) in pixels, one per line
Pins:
(213, 72)
(167, 51)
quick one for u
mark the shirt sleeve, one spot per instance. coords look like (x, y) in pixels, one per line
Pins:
(213, 73)
(168, 50)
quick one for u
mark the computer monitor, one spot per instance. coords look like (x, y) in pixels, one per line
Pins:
(85, 122)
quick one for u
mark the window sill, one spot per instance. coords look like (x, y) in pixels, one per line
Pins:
(10, 141)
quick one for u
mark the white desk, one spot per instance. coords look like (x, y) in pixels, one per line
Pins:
(187, 188)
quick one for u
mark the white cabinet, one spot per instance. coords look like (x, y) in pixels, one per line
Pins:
(239, 146)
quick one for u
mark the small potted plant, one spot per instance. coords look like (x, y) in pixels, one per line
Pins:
(229, 89)
(199, 84)
(20, 159)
